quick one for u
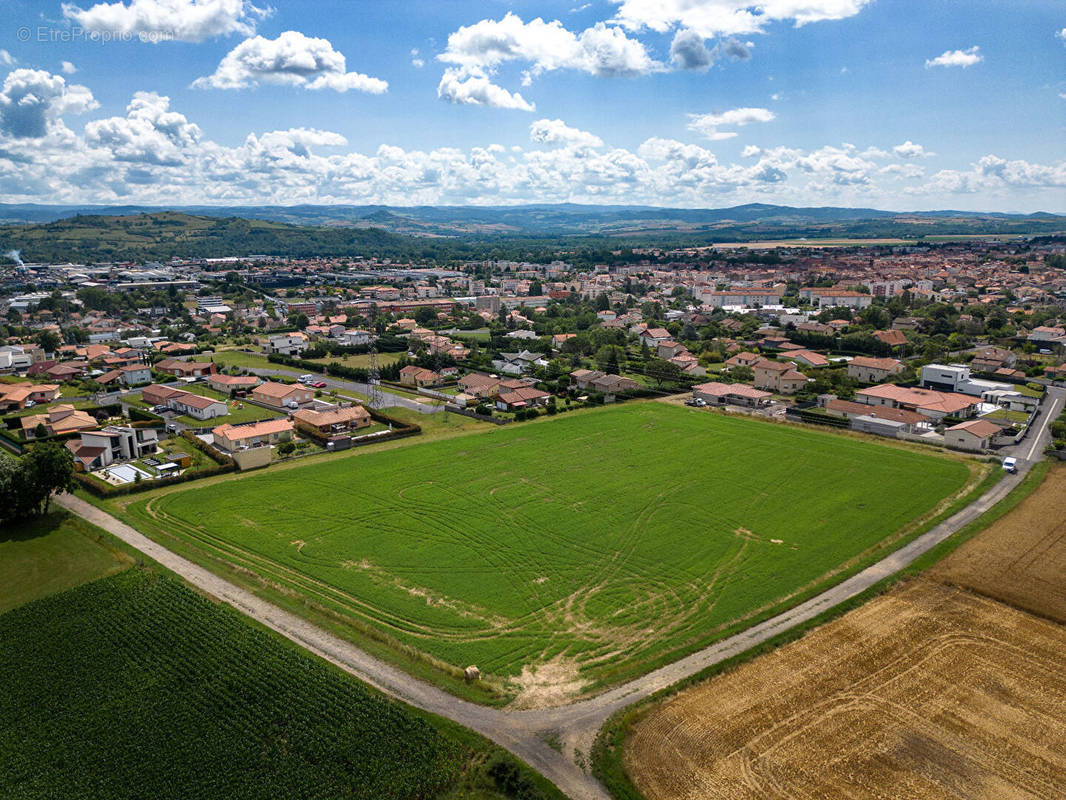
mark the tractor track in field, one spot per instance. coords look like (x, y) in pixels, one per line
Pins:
(523, 733)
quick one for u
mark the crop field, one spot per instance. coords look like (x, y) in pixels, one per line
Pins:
(134, 686)
(50, 554)
(927, 692)
(578, 550)
(1021, 558)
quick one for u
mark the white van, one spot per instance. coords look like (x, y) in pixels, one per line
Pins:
(306, 378)
(1010, 465)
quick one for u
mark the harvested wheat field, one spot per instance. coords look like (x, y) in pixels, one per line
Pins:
(1021, 558)
(930, 691)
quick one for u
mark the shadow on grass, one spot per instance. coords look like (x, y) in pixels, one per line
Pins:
(32, 528)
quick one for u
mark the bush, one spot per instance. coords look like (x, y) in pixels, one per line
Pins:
(286, 448)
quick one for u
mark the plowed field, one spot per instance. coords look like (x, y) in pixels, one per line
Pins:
(928, 692)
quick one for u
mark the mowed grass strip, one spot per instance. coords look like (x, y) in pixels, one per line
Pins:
(599, 539)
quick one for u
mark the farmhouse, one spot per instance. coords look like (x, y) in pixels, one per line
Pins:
(932, 404)
(974, 435)
(255, 434)
(58, 420)
(778, 376)
(186, 369)
(417, 376)
(873, 370)
(282, 396)
(737, 394)
(333, 420)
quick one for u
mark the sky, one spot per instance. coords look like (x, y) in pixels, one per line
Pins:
(892, 104)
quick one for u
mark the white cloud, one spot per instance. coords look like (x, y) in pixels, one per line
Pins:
(471, 86)
(68, 68)
(957, 58)
(707, 125)
(730, 17)
(292, 59)
(911, 150)
(162, 20)
(150, 133)
(555, 131)
(1062, 34)
(297, 141)
(32, 100)
(6, 59)
(688, 51)
(1062, 95)
(602, 50)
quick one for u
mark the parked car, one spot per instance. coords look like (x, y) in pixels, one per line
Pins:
(1010, 465)
(306, 378)
(172, 428)
(319, 385)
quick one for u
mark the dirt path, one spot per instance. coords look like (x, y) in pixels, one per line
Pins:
(577, 724)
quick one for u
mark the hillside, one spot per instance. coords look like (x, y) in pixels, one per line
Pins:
(163, 235)
(624, 223)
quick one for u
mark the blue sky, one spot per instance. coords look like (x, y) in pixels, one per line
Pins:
(902, 105)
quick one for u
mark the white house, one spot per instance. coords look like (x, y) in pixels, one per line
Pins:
(287, 344)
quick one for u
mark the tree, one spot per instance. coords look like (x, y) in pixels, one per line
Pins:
(662, 371)
(602, 303)
(48, 469)
(49, 341)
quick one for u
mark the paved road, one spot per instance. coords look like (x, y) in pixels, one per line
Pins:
(390, 399)
(577, 724)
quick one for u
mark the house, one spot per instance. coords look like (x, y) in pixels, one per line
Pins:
(286, 344)
(688, 364)
(669, 349)
(231, 383)
(653, 336)
(418, 376)
(158, 395)
(1047, 333)
(333, 420)
(355, 338)
(873, 370)
(58, 420)
(906, 323)
(254, 434)
(518, 363)
(743, 359)
(478, 385)
(14, 396)
(524, 397)
(908, 420)
(808, 358)
(990, 359)
(282, 396)
(197, 406)
(956, 378)
(974, 435)
(928, 402)
(778, 376)
(135, 374)
(736, 394)
(101, 448)
(893, 338)
(15, 358)
(559, 338)
(186, 369)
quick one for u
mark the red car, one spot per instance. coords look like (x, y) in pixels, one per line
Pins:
(319, 385)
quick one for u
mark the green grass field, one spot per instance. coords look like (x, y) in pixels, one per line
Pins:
(49, 554)
(238, 358)
(247, 413)
(361, 361)
(135, 686)
(600, 541)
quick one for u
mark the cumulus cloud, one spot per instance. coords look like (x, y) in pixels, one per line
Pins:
(688, 51)
(297, 141)
(32, 100)
(162, 20)
(68, 68)
(957, 58)
(292, 59)
(478, 49)
(911, 150)
(470, 86)
(150, 133)
(555, 131)
(707, 125)
(730, 17)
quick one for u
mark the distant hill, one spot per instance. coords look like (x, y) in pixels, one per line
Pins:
(163, 235)
(746, 222)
